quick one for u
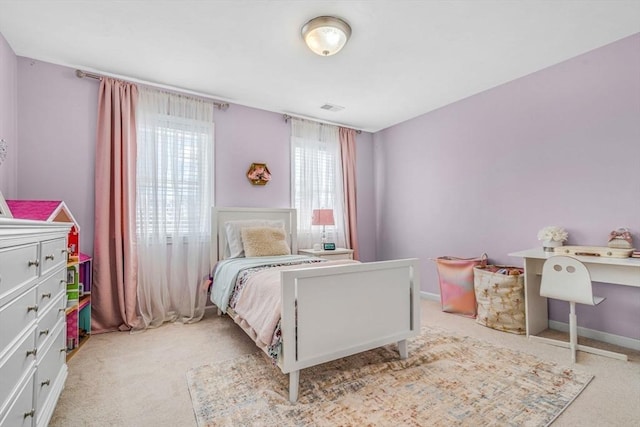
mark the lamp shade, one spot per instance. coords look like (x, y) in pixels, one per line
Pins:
(322, 217)
(326, 35)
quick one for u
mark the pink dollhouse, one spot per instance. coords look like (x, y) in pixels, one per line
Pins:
(50, 211)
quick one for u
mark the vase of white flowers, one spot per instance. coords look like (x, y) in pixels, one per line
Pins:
(552, 237)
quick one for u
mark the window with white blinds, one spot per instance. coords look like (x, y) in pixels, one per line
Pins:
(174, 194)
(322, 187)
(176, 175)
(316, 179)
(175, 137)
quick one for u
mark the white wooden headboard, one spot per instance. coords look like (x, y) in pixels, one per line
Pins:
(221, 215)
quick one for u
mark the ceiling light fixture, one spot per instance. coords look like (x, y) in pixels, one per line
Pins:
(326, 35)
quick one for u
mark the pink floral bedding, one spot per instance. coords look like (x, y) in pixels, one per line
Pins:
(258, 302)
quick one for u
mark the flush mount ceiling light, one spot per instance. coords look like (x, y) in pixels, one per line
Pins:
(326, 35)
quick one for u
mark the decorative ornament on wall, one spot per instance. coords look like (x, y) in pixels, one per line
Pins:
(259, 174)
(3, 150)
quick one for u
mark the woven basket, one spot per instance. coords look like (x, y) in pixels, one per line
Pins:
(500, 298)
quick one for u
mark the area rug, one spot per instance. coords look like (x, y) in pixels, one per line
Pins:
(447, 380)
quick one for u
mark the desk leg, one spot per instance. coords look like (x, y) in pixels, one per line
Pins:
(537, 315)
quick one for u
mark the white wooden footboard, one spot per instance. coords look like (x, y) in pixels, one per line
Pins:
(335, 311)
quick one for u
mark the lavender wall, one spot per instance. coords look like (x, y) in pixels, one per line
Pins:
(9, 119)
(57, 122)
(558, 147)
(246, 135)
(57, 119)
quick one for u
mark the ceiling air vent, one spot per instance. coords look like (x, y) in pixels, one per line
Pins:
(331, 107)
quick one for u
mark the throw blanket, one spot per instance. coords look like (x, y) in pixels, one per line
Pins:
(226, 274)
(259, 303)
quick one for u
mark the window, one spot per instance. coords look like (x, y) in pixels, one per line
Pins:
(174, 186)
(316, 179)
(176, 176)
(174, 165)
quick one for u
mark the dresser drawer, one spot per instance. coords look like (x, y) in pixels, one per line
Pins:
(17, 316)
(18, 266)
(21, 411)
(48, 320)
(50, 288)
(49, 367)
(14, 365)
(53, 254)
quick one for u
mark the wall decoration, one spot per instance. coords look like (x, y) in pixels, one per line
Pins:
(4, 209)
(259, 174)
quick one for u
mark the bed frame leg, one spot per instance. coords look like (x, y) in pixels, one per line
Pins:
(294, 379)
(402, 349)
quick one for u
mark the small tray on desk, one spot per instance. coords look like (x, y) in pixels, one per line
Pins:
(600, 251)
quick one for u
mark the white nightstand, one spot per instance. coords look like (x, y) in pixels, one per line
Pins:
(338, 253)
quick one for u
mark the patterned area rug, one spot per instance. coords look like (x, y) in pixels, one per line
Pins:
(447, 380)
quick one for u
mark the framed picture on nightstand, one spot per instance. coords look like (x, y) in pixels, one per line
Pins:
(4, 209)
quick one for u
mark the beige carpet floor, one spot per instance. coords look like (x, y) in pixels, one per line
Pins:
(122, 379)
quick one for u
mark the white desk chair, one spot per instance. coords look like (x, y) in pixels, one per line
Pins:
(565, 278)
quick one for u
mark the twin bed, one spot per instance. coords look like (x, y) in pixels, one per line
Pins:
(304, 311)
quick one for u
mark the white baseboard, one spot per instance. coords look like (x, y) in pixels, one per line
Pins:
(430, 296)
(626, 342)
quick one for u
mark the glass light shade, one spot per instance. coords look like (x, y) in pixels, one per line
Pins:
(326, 35)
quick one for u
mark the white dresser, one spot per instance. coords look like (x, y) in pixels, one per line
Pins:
(33, 370)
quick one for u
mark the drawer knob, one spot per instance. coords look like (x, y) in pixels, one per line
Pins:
(44, 332)
(60, 310)
(34, 263)
(47, 257)
(32, 352)
(31, 413)
(47, 295)
(32, 307)
(63, 350)
(44, 383)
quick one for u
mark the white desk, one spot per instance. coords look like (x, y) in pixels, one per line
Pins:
(620, 271)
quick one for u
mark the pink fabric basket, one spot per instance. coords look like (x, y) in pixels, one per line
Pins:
(457, 294)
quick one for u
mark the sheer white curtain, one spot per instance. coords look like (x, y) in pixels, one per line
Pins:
(174, 197)
(316, 180)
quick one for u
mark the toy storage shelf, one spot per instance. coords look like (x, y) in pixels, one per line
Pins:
(78, 303)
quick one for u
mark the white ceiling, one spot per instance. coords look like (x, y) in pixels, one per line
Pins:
(405, 58)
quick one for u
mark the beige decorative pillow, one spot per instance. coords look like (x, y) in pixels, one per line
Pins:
(234, 247)
(264, 241)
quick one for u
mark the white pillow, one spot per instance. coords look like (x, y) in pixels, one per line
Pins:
(264, 241)
(234, 237)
